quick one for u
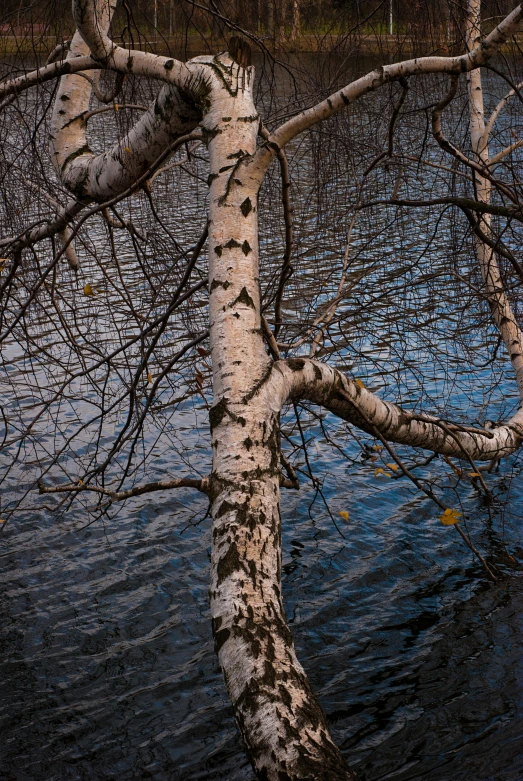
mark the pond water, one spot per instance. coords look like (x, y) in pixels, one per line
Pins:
(107, 662)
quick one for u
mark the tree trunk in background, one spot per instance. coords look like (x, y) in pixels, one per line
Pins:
(488, 263)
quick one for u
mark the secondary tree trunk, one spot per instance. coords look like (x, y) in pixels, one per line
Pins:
(488, 263)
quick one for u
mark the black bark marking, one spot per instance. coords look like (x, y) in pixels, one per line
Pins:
(228, 564)
(295, 364)
(65, 97)
(246, 207)
(248, 443)
(232, 244)
(211, 178)
(217, 282)
(217, 412)
(317, 372)
(84, 150)
(169, 65)
(246, 247)
(344, 98)
(219, 251)
(221, 637)
(251, 118)
(244, 298)
(129, 63)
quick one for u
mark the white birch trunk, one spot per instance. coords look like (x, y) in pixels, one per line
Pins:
(282, 724)
(490, 272)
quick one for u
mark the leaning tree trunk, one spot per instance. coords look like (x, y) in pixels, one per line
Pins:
(282, 724)
(488, 263)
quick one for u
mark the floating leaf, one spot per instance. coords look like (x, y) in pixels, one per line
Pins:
(360, 384)
(450, 517)
(394, 467)
(344, 514)
(380, 471)
(88, 290)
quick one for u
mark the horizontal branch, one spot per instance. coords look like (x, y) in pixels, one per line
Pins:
(200, 484)
(49, 72)
(302, 378)
(386, 74)
(481, 207)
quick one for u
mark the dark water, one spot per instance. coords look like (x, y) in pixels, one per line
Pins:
(108, 669)
(107, 666)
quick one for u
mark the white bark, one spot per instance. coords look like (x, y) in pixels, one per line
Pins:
(100, 177)
(387, 73)
(303, 378)
(280, 720)
(479, 134)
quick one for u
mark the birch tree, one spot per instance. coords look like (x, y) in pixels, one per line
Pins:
(210, 100)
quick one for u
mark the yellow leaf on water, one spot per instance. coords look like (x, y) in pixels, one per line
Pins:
(450, 517)
(344, 514)
(360, 383)
(88, 290)
(394, 467)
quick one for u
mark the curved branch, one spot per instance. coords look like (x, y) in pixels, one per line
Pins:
(303, 378)
(387, 73)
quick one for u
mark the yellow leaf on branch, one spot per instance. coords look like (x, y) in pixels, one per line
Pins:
(149, 377)
(360, 384)
(128, 150)
(380, 471)
(450, 517)
(88, 290)
(344, 514)
(394, 467)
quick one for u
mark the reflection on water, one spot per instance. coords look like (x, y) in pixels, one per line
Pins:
(107, 663)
